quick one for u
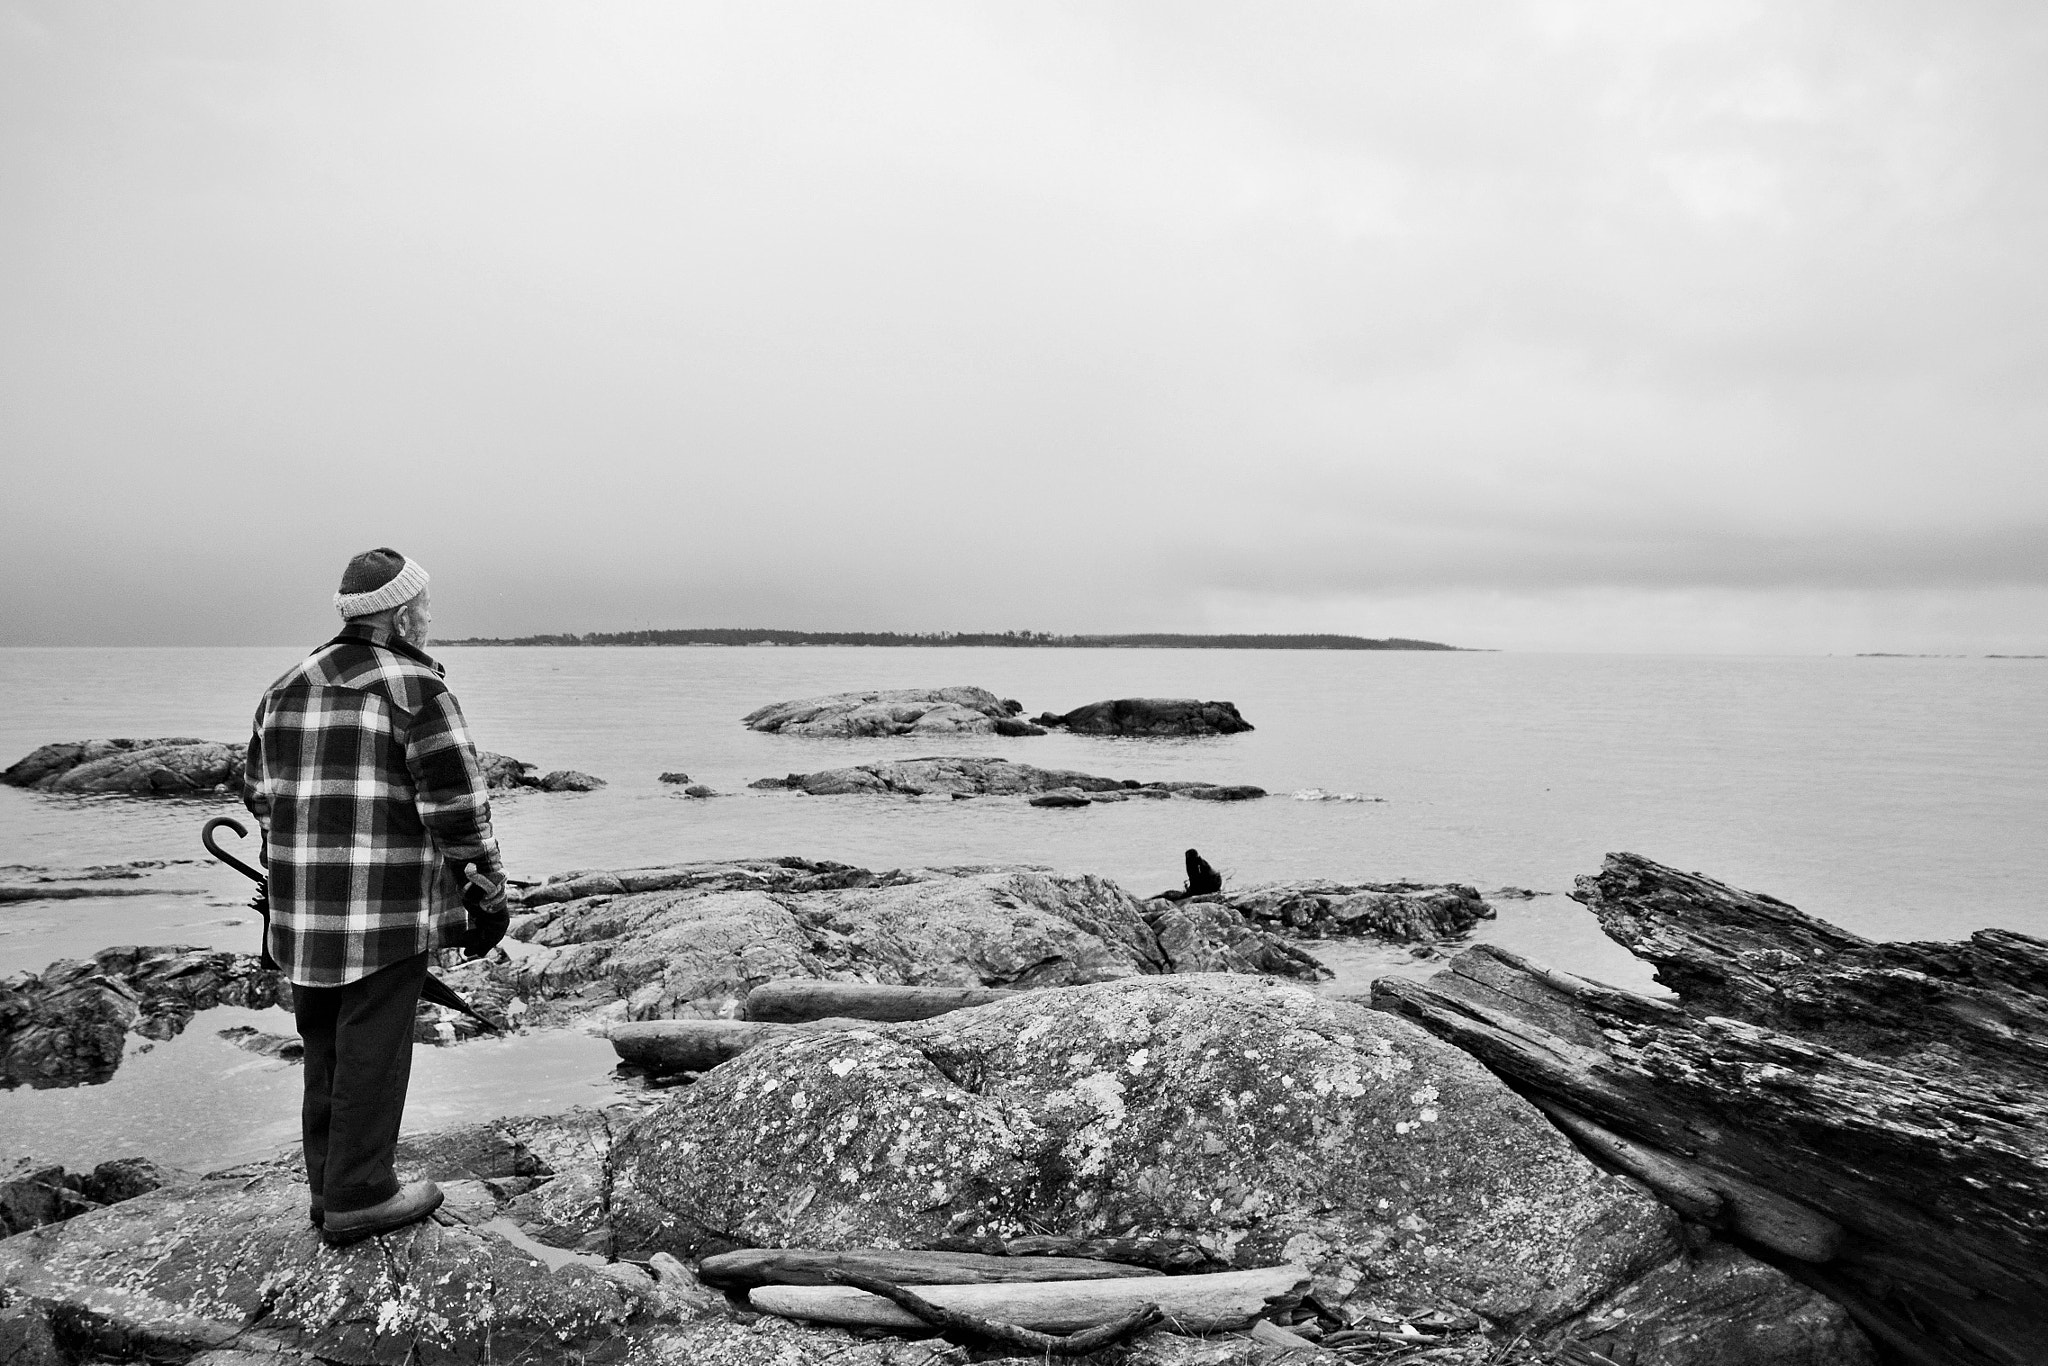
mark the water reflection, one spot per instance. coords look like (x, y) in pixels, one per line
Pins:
(198, 1101)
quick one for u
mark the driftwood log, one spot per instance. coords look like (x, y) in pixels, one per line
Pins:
(1191, 1304)
(783, 1010)
(1871, 1116)
(794, 1001)
(1043, 1344)
(752, 1266)
(691, 1045)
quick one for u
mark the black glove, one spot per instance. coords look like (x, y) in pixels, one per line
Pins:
(489, 917)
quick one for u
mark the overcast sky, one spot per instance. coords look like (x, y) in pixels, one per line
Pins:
(1696, 326)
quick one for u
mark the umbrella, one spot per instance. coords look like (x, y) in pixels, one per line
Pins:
(436, 991)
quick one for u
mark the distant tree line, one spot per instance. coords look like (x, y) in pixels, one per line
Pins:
(1157, 640)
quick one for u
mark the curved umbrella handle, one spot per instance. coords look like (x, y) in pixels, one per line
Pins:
(206, 838)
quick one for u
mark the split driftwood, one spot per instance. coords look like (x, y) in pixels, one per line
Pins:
(1193, 1304)
(958, 1321)
(1174, 1256)
(1872, 1115)
(752, 1266)
(794, 1001)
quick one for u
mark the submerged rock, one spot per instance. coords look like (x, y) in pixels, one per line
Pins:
(893, 711)
(69, 1025)
(981, 776)
(176, 766)
(1151, 716)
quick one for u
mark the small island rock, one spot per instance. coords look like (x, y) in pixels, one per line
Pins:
(981, 776)
(1151, 716)
(895, 711)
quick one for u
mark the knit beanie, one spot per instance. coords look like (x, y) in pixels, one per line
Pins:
(376, 580)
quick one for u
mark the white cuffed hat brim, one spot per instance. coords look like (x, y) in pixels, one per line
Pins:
(407, 584)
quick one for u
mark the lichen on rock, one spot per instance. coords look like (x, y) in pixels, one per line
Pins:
(1257, 1120)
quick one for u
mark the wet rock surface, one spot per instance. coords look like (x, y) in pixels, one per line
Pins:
(1151, 716)
(169, 767)
(35, 1193)
(1872, 1113)
(980, 776)
(893, 711)
(692, 940)
(69, 1025)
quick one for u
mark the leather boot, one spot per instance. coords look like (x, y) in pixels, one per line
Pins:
(414, 1202)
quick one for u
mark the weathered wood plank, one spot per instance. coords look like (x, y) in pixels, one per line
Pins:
(795, 1000)
(1174, 1256)
(1192, 1304)
(1711, 1197)
(753, 1266)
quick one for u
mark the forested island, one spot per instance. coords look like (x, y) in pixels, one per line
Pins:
(1150, 640)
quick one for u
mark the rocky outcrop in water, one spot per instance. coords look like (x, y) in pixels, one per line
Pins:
(505, 774)
(1397, 912)
(69, 1025)
(693, 940)
(894, 711)
(979, 776)
(37, 882)
(1871, 1113)
(178, 766)
(36, 1193)
(1151, 716)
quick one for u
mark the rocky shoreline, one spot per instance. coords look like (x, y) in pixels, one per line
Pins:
(1505, 1163)
(184, 767)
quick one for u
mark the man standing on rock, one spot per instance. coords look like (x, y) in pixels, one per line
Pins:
(363, 777)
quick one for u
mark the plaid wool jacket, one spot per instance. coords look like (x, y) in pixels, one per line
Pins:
(363, 777)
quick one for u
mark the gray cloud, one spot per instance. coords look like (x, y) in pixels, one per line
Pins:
(1073, 317)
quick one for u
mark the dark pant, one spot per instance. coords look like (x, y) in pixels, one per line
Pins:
(358, 1061)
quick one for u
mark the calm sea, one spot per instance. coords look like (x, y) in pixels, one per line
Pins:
(1899, 798)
